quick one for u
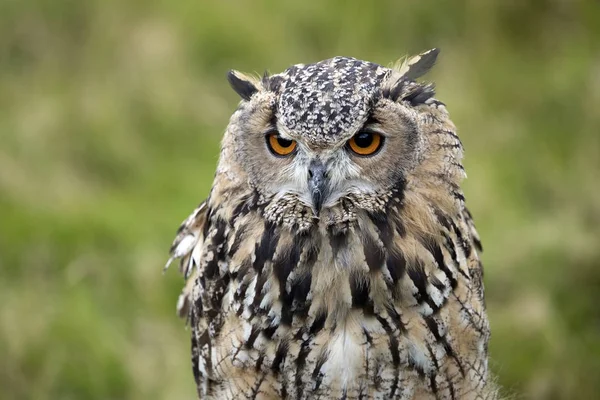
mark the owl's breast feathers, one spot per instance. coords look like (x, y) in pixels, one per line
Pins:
(386, 303)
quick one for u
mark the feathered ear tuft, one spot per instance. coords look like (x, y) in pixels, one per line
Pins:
(243, 85)
(401, 83)
(419, 65)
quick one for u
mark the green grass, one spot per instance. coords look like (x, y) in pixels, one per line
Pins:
(111, 114)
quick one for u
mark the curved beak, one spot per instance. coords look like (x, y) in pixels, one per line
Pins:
(318, 183)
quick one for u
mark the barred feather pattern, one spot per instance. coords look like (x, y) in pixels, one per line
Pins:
(378, 297)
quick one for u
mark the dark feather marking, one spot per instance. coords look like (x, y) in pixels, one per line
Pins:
(359, 288)
(318, 323)
(361, 392)
(258, 294)
(458, 195)
(337, 241)
(311, 256)
(443, 178)
(273, 83)
(301, 290)
(377, 379)
(458, 165)
(393, 342)
(302, 286)
(259, 362)
(300, 333)
(195, 355)
(452, 390)
(437, 103)
(242, 272)
(394, 386)
(449, 133)
(240, 235)
(436, 251)
(439, 285)
(252, 337)
(280, 355)
(374, 254)
(237, 211)
(208, 223)
(368, 337)
(396, 265)
(420, 95)
(394, 91)
(443, 340)
(432, 377)
(245, 205)
(464, 244)
(217, 246)
(398, 189)
(204, 341)
(442, 218)
(380, 220)
(240, 293)
(269, 331)
(288, 260)
(396, 318)
(450, 146)
(243, 87)
(478, 244)
(417, 275)
(450, 247)
(400, 229)
(317, 376)
(300, 363)
(214, 285)
(198, 306)
(265, 249)
(256, 388)
(218, 291)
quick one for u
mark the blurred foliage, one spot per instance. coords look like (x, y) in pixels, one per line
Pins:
(111, 112)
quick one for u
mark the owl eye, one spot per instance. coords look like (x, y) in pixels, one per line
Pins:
(280, 146)
(365, 143)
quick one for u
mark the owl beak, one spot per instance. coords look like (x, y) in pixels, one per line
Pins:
(317, 183)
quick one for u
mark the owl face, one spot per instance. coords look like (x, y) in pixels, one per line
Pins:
(321, 133)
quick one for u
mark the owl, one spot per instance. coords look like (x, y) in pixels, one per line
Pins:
(334, 257)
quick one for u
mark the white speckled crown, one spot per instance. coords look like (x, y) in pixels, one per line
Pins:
(328, 99)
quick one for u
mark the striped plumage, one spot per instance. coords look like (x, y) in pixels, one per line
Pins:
(370, 290)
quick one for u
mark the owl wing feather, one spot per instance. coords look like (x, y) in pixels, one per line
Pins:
(472, 230)
(185, 247)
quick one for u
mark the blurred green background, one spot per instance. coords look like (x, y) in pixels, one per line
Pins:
(111, 112)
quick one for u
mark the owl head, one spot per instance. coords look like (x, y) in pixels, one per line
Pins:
(325, 141)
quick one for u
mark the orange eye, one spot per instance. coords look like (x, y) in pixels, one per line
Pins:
(280, 146)
(365, 143)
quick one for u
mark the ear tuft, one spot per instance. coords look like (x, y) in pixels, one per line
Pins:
(243, 85)
(420, 94)
(417, 66)
(421, 64)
